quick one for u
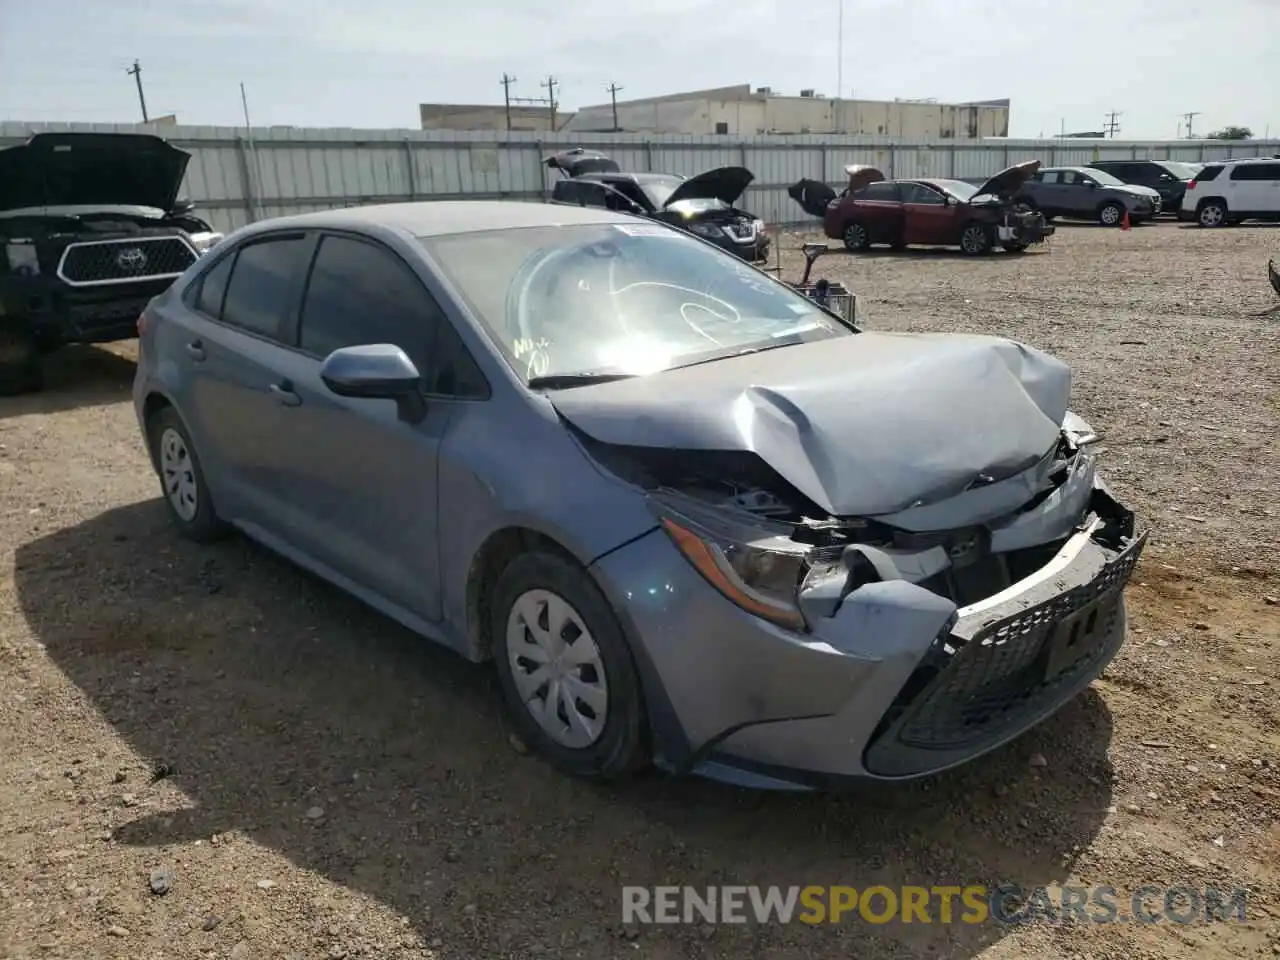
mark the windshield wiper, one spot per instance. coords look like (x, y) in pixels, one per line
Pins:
(562, 381)
(760, 348)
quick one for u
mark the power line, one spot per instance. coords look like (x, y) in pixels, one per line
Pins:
(136, 70)
(1111, 126)
(1189, 116)
(613, 89)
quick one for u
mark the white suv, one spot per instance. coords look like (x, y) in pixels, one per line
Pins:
(1228, 191)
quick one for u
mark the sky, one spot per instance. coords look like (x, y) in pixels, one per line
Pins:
(368, 63)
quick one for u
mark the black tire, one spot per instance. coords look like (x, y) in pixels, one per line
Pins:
(204, 526)
(976, 239)
(622, 745)
(1111, 214)
(21, 369)
(856, 238)
(1212, 213)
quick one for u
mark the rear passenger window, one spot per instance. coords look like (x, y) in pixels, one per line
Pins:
(878, 191)
(213, 287)
(1208, 173)
(264, 283)
(362, 293)
(1256, 171)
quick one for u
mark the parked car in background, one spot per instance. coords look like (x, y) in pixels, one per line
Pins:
(691, 516)
(1083, 193)
(702, 205)
(1231, 191)
(91, 229)
(1169, 178)
(933, 211)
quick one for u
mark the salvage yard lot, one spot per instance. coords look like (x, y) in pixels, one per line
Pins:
(337, 788)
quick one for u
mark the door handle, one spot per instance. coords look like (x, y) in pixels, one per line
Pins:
(285, 394)
(195, 350)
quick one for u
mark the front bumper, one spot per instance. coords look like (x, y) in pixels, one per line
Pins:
(59, 313)
(897, 683)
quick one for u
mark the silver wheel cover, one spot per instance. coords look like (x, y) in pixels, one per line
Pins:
(557, 668)
(178, 474)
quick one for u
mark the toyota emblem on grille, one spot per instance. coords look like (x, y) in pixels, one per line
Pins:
(131, 259)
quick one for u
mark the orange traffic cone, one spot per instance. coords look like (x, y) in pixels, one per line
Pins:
(1124, 222)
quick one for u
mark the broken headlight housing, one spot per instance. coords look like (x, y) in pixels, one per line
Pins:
(1078, 432)
(751, 561)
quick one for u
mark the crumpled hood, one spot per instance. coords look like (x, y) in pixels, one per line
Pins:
(1009, 180)
(91, 169)
(863, 425)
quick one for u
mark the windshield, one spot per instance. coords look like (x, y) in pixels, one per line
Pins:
(1104, 178)
(659, 189)
(620, 298)
(1183, 171)
(958, 188)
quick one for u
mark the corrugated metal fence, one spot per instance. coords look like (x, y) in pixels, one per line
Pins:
(237, 176)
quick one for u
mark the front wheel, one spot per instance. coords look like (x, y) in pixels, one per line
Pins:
(21, 370)
(975, 239)
(1110, 214)
(856, 237)
(565, 668)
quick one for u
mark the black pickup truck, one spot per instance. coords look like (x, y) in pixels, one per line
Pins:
(91, 229)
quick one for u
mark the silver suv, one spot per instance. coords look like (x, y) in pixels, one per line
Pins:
(1085, 193)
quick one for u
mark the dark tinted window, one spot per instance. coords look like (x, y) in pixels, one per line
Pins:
(263, 284)
(454, 373)
(919, 193)
(1255, 171)
(583, 192)
(213, 287)
(878, 191)
(363, 293)
(1209, 173)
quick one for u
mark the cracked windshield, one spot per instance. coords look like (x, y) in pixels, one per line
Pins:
(620, 299)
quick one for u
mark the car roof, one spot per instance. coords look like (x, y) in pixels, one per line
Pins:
(443, 217)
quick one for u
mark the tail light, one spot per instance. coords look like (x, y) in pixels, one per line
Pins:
(1191, 184)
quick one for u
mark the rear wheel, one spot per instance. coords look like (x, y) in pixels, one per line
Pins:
(1212, 213)
(856, 237)
(20, 368)
(1111, 214)
(565, 668)
(182, 482)
(976, 239)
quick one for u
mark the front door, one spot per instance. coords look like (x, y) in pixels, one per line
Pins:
(927, 218)
(364, 481)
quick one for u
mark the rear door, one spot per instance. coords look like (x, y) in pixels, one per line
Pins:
(1254, 188)
(926, 216)
(878, 207)
(231, 348)
(363, 482)
(1047, 191)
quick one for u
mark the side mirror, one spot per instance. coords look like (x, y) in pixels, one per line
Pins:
(1090, 184)
(376, 371)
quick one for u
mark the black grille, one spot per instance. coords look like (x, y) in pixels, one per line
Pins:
(126, 260)
(969, 694)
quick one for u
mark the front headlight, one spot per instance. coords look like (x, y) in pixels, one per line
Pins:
(204, 242)
(1078, 431)
(752, 562)
(708, 230)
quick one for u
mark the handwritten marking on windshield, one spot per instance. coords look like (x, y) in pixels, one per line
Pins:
(526, 346)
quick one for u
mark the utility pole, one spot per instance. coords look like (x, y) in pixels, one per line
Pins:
(1111, 126)
(550, 85)
(506, 95)
(136, 71)
(613, 89)
(1189, 116)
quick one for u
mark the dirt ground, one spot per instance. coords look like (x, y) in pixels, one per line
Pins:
(333, 787)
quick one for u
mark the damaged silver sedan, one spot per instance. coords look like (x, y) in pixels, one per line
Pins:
(693, 517)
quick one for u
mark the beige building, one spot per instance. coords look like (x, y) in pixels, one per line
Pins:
(483, 116)
(743, 111)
